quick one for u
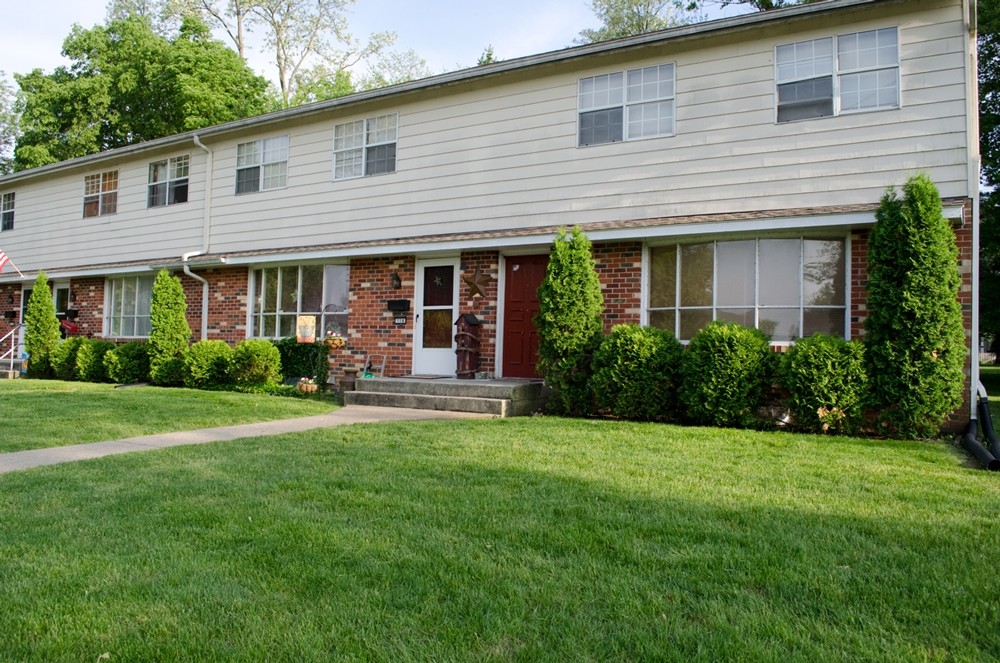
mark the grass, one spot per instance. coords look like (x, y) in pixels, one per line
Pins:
(534, 539)
(47, 413)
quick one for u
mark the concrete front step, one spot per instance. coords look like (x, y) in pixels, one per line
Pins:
(499, 407)
(9, 375)
(502, 398)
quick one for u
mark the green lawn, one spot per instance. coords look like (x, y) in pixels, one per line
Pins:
(534, 539)
(49, 413)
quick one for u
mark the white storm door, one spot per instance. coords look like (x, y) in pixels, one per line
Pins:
(434, 314)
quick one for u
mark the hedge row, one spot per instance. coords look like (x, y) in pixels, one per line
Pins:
(252, 365)
(725, 377)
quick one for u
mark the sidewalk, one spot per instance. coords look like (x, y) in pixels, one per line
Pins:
(352, 414)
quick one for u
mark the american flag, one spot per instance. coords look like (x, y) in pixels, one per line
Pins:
(3, 260)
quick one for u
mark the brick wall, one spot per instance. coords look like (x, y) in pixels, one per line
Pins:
(89, 294)
(619, 267)
(10, 300)
(484, 267)
(228, 289)
(371, 329)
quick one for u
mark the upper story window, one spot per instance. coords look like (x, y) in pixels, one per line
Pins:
(100, 194)
(168, 181)
(853, 72)
(638, 103)
(7, 211)
(365, 147)
(262, 164)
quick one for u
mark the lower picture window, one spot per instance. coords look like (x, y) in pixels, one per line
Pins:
(129, 300)
(281, 294)
(787, 288)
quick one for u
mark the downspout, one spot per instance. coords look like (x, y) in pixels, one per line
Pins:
(205, 236)
(972, 123)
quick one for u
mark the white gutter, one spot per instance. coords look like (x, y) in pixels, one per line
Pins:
(206, 235)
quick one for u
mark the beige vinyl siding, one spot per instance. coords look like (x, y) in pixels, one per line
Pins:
(502, 152)
(51, 232)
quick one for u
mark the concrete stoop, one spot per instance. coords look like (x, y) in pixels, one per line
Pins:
(501, 398)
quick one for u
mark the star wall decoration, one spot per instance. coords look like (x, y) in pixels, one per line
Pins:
(477, 283)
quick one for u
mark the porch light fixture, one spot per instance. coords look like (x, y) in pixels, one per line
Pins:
(72, 296)
(397, 282)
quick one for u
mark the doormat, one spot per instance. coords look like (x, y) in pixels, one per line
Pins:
(427, 376)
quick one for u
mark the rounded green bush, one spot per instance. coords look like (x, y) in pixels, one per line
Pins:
(206, 364)
(90, 365)
(255, 362)
(636, 370)
(723, 375)
(63, 358)
(128, 363)
(826, 379)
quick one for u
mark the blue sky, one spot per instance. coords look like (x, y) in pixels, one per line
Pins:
(448, 34)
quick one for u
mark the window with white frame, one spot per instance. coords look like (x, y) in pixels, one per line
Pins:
(7, 211)
(787, 288)
(128, 304)
(365, 147)
(168, 181)
(262, 164)
(100, 194)
(853, 72)
(637, 103)
(281, 294)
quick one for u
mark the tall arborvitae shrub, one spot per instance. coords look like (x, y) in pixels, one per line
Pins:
(170, 333)
(41, 329)
(914, 338)
(569, 321)
(636, 373)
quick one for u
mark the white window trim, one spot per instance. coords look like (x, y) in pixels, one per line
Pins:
(254, 318)
(836, 75)
(109, 289)
(646, 288)
(170, 180)
(625, 104)
(7, 207)
(260, 164)
(100, 193)
(365, 145)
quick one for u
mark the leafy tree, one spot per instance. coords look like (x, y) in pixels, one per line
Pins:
(128, 84)
(392, 68)
(298, 30)
(989, 90)
(488, 57)
(625, 18)
(759, 5)
(989, 149)
(914, 337)
(41, 333)
(8, 125)
(569, 321)
(170, 333)
(319, 83)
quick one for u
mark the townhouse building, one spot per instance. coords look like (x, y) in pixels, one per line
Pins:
(724, 170)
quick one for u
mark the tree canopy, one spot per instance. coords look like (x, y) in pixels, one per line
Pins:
(989, 148)
(127, 84)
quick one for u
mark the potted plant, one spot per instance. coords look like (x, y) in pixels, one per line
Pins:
(334, 341)
(307, 385)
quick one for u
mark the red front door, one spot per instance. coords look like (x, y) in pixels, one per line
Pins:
(522, 275)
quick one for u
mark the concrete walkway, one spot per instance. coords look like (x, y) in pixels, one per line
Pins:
(352, 414)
